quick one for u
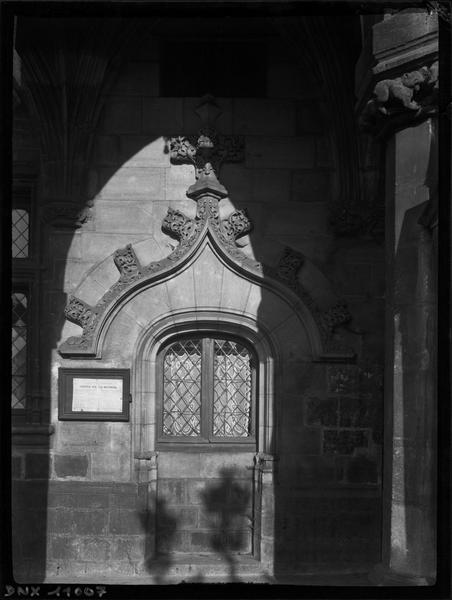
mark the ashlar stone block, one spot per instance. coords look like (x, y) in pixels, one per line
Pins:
(121, 338)
(75, 465)
(144, 151)
(280, 152)
(149, 304)
(122, 115)
(234, 292)
(163, 116)
(181, 291)
(311, 186)
(264, 117)
(123, 216)
(208, 274)
(131, 182)
(177, 464)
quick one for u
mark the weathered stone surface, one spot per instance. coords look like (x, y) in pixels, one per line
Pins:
(176, 464)
(264, 117)
(309, 117)
(130, 547)
(106, 150)
(284, 81)
(121, 338)
(130, 522)
(181, 292)
(303, 440)
(98, 246)
(223, 122)
(280, 153)
(16, 467)
(178, 178)
(207, 279)
(238, 464)
(304, 220)
(122, 115)
(402, 28)
(324, 157)
(138, 78)
(70, 465)
(163, 116)
(195, 489)
(148, 305)
(79, 522)
(123, 217)
(234, 292)
(361, 469)
(298, 470)
(133, 182)
(106, 466)
(311, 186)
(63, 547)
(270, 185)
(94, 549)
(343, 379)
(322, 411)
(85, 435)
(143, 151)
(344, 441)
(37, 466)
(78, 499)
(173, 490)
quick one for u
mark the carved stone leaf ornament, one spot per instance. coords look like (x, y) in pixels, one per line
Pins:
(127, 263)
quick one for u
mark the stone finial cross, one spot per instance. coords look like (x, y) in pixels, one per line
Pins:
(208, 150)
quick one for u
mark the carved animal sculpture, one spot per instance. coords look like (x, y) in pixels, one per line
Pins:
(401, 89)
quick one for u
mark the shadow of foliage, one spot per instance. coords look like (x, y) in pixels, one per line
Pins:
(160, 526)
(227, 502)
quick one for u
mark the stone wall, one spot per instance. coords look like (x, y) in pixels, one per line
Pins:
(328, 443)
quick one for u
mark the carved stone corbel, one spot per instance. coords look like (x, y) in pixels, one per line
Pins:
(79, 312)
(236, 225)
(127, 263)
(289, 266)
(401, 101)
(177, 225)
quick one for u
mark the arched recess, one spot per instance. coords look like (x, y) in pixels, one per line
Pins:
(266, 346)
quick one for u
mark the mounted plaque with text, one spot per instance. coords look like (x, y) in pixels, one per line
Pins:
(93, 394)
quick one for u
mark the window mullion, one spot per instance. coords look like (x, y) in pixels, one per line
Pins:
(207, 388)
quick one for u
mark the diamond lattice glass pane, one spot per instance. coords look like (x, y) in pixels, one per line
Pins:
(19, 349)
(232, 390)
(20, 233)
(182, 389)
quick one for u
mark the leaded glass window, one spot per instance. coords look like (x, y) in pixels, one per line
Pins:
(19, 349)
(207, 391)
(20, 233)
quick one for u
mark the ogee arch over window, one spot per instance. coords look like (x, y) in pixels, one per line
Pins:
(207, 393)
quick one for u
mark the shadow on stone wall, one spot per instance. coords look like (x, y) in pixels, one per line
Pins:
(157, 525)
(227, 502)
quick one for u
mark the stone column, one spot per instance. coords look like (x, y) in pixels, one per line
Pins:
(264, 510)
(399, 108)
(146, 469)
